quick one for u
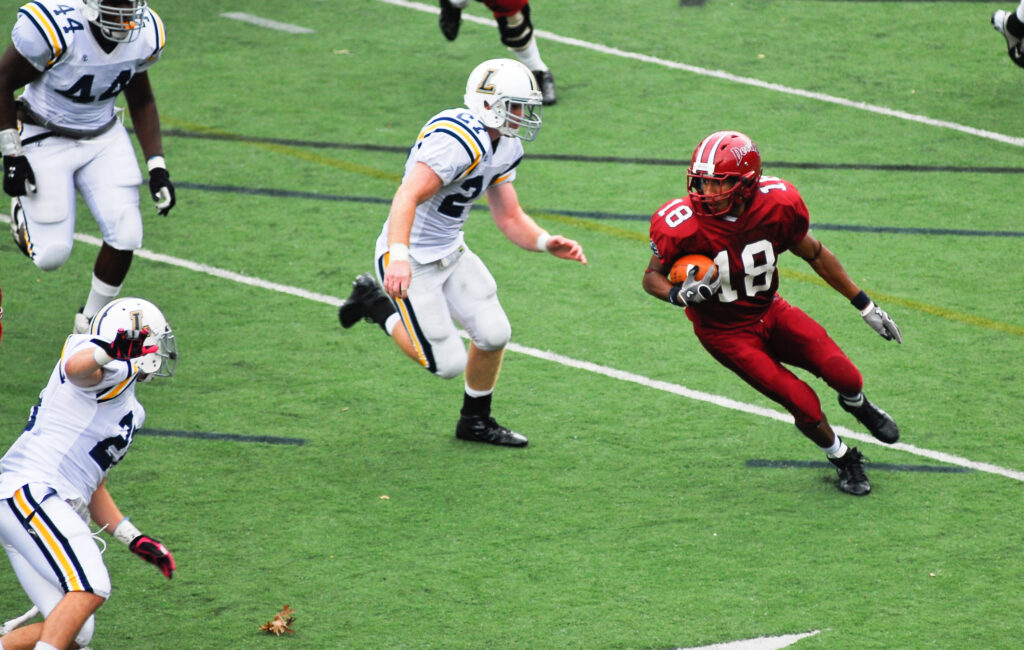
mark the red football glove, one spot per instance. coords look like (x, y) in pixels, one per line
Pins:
(127, 345)
(154, 552)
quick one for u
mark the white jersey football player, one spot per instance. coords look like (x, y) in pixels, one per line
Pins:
(74, 58)
(422, 259)
(53, 478)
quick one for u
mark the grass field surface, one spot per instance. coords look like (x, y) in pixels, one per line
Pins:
(662, 502)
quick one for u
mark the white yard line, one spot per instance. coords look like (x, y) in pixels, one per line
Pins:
(621, 375)
(726, 76)
(267, 23)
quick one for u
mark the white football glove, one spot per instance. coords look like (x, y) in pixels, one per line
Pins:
(692, 291)
(881, 322)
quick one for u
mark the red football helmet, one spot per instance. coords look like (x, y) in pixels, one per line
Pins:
(723, 156)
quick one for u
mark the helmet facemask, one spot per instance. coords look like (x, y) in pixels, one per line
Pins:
(525, 125)
(120, 21)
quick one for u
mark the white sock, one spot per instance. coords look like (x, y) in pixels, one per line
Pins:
(389, 324)
(42, 645)
(852, 402)
(530, 56)
(101, 294)
(458, 4)
(1020, 11)
(837, 450)
(478, 393)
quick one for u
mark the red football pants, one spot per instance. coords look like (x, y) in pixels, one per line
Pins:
(504, 8)
(784, 335)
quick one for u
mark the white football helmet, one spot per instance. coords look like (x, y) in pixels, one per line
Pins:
(118, 20)
(496, 88)
(134, 314)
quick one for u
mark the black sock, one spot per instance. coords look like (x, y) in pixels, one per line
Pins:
(478, 406)
(380, 311)
(1014, 25)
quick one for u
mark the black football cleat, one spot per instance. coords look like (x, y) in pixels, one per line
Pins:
(365, 301)
(476, 428)
(1013, 43)
(852, 478)
(875, 419)
(451, 17)
(546, 82)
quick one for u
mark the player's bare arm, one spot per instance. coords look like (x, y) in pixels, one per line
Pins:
(145, 118)
(15, 72)
(418, 187)
(103, 509)
(523, 231)
(826, 265)
(656, 279)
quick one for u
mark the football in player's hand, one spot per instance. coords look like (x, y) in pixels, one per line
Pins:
(681, 267)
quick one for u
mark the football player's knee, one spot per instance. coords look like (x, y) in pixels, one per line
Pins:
(128, 236)
(493, 332)
(516, 30)
(449, 358)
(840, 373)
(50, 257)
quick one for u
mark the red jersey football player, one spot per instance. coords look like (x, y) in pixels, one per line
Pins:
(744, 221)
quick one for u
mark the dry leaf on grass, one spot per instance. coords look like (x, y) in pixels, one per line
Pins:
(282, 622)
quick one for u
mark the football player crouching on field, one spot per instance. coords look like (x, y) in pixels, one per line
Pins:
(743, 221)
(74, 59)
(53, 478)
(422, 259)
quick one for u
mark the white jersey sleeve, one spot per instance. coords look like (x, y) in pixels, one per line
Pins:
(451, 144)
(40, 36)
(154, 37)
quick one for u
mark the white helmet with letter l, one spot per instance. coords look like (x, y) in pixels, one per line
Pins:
(504, 95)
(134, 314)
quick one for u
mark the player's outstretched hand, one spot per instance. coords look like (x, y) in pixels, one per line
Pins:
(881, 323)
(565, 248)
(154, 552)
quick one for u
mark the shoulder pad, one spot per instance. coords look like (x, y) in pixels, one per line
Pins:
(39, 37)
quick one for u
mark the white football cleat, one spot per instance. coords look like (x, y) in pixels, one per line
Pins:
(81, 323)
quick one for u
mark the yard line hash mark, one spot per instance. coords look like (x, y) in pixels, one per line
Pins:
(675, 389)
(266, 22)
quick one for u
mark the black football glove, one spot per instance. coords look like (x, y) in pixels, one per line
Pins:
(161, 189)
(127, 345)
(692, 291)
(154, 552)
(19, 179)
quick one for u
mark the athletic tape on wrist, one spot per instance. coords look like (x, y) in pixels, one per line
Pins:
(101, 358)
(398, 253)
(542, 241)
(10, 143)
(156, 162)
(126, 531)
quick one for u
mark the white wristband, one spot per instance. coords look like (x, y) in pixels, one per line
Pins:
(398, 253)
(101, 357)
(155, 162)
(126, 531)
(10, 143)
(542, 241)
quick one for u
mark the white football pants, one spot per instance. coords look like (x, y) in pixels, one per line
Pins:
(103, 170)
(458, 287)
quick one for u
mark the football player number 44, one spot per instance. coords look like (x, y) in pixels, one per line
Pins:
(758, 257)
